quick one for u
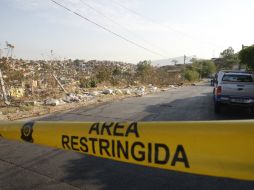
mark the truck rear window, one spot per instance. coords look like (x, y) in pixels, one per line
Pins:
(237, 78)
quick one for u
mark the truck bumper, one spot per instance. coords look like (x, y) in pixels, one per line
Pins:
(235, 101)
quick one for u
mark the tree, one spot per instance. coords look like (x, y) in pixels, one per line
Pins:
(246, 57)
(117, 71)
(174, 61)
(144, 70)
(193, 59)
(204, 67)
(87, 83)
(116, 76)
(210, 67)
(229, 59)
(191, 75)
(229, 52)
(143, 66)
(103, 73)
(76, 62)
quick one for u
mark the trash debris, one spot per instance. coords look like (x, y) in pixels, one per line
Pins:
(83, 96)
(107, 91)
(118, 92)
(173, 86)
(31, 103)
(94, 93)
(140, 91)
(52, 102)
(153, 89)
(73, 97)
(17, 92)
(126, 92)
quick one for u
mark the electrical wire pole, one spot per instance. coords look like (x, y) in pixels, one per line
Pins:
(184, 61)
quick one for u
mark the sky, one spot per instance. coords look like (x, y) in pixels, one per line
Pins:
(159, 29)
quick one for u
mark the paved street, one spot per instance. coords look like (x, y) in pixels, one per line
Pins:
(26, 166)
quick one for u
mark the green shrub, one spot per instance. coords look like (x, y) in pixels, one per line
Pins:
(191, 75)
(85, 83)
(93, 83)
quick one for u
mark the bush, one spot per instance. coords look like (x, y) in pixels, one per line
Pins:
(4, 64)
(191, 75)
(204, 67)
(103, 73)
(15, 75)
(144, 71)
(84, 83)
(93, 83)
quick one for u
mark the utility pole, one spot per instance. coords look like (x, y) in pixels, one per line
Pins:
(10, 48)
(184, 61)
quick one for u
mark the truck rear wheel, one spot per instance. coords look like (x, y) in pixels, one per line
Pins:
(252, 110)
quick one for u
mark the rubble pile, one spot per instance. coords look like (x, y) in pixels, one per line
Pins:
(40, 87)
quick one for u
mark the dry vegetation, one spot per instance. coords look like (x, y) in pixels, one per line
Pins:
(32, 89)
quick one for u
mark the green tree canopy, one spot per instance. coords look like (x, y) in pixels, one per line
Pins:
(143, 66)
(204, 67)
(144, 69)
(246, 57)
(191, 75)
(229, 52)
(229, 59)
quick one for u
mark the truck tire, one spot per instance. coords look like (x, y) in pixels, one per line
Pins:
(252, 110)
(217, 107)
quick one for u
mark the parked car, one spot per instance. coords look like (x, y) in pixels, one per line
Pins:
(234, 88)
(214, 79)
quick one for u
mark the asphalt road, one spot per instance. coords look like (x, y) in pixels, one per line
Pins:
(27, 166)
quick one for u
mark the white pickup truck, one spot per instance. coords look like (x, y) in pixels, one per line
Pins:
(234, 88)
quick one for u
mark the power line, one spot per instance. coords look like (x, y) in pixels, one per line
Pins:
(106, 29)
(117, 23)
(162, 25)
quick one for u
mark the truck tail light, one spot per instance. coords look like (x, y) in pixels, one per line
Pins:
(219, 90)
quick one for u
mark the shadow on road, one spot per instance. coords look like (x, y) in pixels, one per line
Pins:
(97, 173)
(198, 108)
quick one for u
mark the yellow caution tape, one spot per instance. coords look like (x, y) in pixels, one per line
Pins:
(224, 149)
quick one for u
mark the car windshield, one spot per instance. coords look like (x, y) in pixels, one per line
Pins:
(237, 78)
